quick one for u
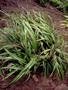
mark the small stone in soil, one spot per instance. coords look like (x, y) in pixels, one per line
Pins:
(35, 78)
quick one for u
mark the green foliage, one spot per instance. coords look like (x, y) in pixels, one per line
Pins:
(42, 1)
(28, 42)
(63, 6)
(56, 2)
(65, 22)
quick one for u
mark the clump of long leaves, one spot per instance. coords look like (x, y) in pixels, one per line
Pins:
(56, 2)
(28, 42)
(63, 6)
(65, 22)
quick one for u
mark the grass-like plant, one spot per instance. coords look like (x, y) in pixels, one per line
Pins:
(63, 6)
(27, 43)
(65, 22)
(54, 2)
(42, 1)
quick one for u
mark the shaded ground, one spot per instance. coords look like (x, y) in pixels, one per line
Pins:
(36, 82)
